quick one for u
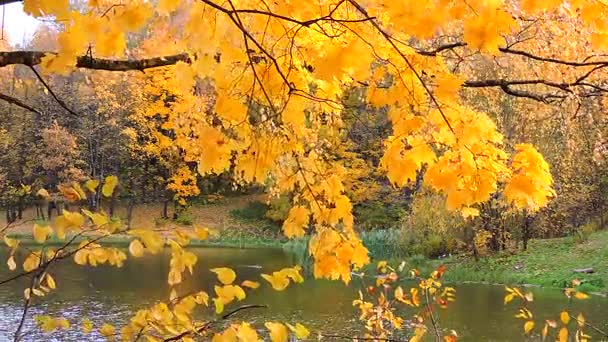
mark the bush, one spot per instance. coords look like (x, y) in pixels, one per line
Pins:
(378, 214)
(583, 232)
(429, 229)
(185, 218)
(279, 208)
(253, 211)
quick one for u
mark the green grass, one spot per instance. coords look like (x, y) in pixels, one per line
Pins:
(547, 263)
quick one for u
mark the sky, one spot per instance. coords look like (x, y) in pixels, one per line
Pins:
(18, 25)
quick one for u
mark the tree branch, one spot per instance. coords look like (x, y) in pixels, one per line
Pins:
(32, 58)
(59, 101)
(19, 103)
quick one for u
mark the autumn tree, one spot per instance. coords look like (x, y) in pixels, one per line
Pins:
(275, 74)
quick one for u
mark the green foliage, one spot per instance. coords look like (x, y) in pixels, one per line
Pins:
(253, 211)
(279, 208)
(185, 218)
(378, 214)
(583, 232)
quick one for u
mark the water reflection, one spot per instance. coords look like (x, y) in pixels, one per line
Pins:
(106, 294)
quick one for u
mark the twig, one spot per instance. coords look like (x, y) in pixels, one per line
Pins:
(59, 101)
(209, 324)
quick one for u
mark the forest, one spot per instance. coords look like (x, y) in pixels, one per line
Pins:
(199, 170)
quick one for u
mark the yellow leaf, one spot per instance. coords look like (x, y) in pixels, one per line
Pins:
(565, 317)
(92, 185)
(563, 335)
(580, 319)
(27, 293)
(201, 233)
(229, 335)
(219, 305)
(109, 185)
(202, 298)
(246, 333)
(11, 263)
(225, 275)
(99, 219)
(136, 248)
(545, 331)
(37, 292)
(11, 243)
(80, 257)
(296, 221)
(300, 330)
(44, 194)
(71, 194)
(87, 325)
(278, 281)
(250, 284)
(581, 295)
(278, 331)
(107, 330)
(528, 326)
(151, 239)
(50, 282)
(31, 262)
(166, 7)
(41, 233)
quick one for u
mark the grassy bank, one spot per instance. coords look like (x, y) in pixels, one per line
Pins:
(547, 263)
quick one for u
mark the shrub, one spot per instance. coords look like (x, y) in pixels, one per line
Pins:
(429, 229)
(185, 218)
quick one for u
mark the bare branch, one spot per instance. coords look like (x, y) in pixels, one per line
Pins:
(19, 103)
(59, 101)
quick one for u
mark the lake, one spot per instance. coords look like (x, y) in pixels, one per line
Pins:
(107, 294)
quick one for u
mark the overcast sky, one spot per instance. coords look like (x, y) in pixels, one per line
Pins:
(17, 25)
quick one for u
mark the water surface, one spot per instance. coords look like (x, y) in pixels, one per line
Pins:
(107, 294)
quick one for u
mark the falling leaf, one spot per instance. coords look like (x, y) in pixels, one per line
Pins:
(564, 317)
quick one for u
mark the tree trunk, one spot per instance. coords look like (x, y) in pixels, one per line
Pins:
(20, 209)
(526, 231)
(130, 211)
(165, 213)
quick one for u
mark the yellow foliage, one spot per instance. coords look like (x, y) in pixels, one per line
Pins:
(296, 221)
